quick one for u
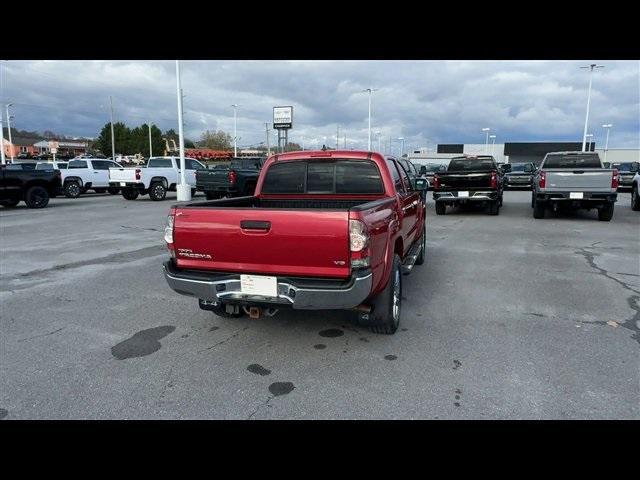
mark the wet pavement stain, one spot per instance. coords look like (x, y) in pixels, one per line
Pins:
(213, 329)
(186, 335)
(390, 357)
(144, 342)
(258, 369)
(331, 333)
(3, 413)
(281, 388)
(364, 339)
(457, 364)
(320, 346)
(458, 394)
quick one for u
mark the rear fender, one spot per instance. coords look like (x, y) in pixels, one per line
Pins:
(74, 179)
(163, 180)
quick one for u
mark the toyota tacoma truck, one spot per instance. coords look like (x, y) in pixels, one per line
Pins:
(323, 230)
(574, 180)
(22, 183)
(469, 179)
(160, 175)
(235, 179)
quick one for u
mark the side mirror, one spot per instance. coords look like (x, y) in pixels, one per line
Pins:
(421, 184)
(423, 170)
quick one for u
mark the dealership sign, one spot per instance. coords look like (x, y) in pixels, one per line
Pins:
(282, 117)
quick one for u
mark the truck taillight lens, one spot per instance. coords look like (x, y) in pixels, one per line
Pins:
(543, 179)
(614, 178)
(358, 244)
(231, 176)
(138, 171)
(436, 182)
(168, 230)
(494, 180)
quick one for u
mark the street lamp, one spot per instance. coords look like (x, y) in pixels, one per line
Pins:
(486, 142)
(9, 128)
(150, 148)
(402, 147)
(370, 91)
(183, 189)
(235, 135)
(589, 136)
(2, 142)
(493, 143)
(606, 143)
(586, 118)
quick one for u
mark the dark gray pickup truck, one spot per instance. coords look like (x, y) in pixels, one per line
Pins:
(238, 178)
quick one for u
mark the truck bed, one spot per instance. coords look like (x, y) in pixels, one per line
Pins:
(281, 203)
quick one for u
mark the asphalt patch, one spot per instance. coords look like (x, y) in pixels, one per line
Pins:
(143, 343)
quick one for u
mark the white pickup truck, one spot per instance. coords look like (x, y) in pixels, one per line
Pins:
(85, 174)
(161, 174)
(573, 180)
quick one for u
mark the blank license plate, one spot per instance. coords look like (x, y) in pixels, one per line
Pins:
(463, 194)
(123, 184)
(258, 285)
(576, 195)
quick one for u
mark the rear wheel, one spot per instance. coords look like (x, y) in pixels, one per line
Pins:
(36, 197)
(72, 189)
(635, 199)
(605, 213)
(441, 208)
(218, 308)
(157, 192)
(538, 209)
(385, 314)
(494, 207)
(129, 194)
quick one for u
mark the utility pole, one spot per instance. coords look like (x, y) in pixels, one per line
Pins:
(266, 129)
(113, 142)
(150, 148)
(183, 190)
(586, 118)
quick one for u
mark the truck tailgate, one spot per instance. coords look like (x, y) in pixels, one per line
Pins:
(464, 180)
(122, 174)
(263, 241)
(592, 180)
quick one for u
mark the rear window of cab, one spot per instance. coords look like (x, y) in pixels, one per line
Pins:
(323, 176)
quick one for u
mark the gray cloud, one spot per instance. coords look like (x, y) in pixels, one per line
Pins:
(439, 101)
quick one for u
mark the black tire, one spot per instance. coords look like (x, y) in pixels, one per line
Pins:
(10, 203)
(72, 189)
(113, 190)
(494, 207)
(211, 196)
(533, 199)
(157, 192)
(219, 310)
(36, 197)
(100, 190)
(423, 240)
(538, 209)
(441, 208)
(193, 192)
(385, 314)
(500, 201)
(129, 194)
(635, 199)
(605, 214)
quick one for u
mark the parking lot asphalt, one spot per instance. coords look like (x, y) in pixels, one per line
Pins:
(509, 318)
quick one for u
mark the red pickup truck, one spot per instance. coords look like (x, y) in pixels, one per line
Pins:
(323, 230)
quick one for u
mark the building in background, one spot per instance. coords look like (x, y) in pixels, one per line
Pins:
(70, 148)
(19, 145)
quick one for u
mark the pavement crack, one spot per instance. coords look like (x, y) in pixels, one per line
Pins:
(261, 404)
(590, 258)
(221, 342)
(41, 335)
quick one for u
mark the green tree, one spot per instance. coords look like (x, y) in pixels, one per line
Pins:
(219, 140)
(121, 135)
(293, 147)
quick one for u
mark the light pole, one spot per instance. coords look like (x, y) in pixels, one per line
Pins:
(486, 142)
(586, 118)
(402, 147)
(150, 148)
(183, 190)
(9, 128)
(493, 143)
(2, 142)
(606, 143)
(589, 136)
(113, 141)
(370, 91)
(235, 135)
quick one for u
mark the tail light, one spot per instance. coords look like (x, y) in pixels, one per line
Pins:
(614, 179)
(168, 232)
(494, 180)
(232, 177)
(359, 244)
(436, 181)
(138, 171)
(543, 179)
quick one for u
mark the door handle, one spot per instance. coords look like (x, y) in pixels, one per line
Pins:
(255, 225)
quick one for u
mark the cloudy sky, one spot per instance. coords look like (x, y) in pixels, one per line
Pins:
(423, 101)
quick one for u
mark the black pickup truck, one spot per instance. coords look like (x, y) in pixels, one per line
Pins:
(34, 187)
(237, 178)
(469, 179)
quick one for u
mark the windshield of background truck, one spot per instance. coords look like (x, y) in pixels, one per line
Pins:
(622, 167)
(246, 165)
(518, 167)
(458, 164)
(572, 161)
